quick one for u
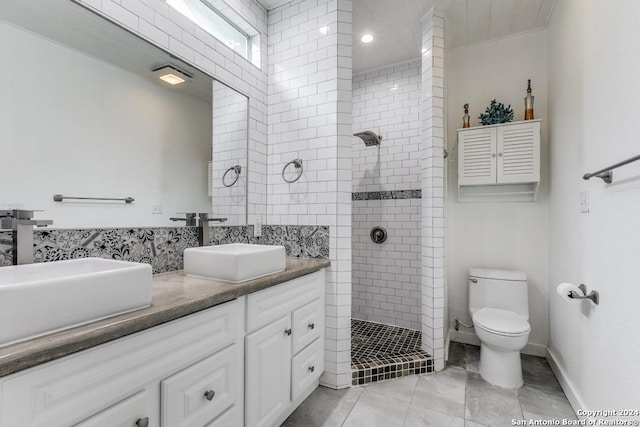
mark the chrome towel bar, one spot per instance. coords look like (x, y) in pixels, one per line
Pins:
(606, 174)
(60, 198)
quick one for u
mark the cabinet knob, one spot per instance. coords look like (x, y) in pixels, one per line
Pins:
(312, 368)
(493, 154)
(209, 394)
(287, 331)
(142, 422)
(499, 154)
(312, 325)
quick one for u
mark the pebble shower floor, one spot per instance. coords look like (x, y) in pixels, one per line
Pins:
(381, 352)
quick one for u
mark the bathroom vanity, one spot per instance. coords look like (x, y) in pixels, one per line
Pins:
(206, 353)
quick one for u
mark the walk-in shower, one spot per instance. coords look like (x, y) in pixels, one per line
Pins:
(386, 241)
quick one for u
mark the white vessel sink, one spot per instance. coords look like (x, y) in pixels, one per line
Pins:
(36, 299)
(237, 262)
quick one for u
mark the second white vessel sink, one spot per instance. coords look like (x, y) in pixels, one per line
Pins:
(36, 299)
(237, 262)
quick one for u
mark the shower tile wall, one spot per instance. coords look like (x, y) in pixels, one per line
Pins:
(309, 117)
(229, 148)
(386, 183)
(433, 178)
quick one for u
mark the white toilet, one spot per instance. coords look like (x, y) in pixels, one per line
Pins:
(499, 306)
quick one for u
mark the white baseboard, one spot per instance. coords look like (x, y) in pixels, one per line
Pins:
(566, 384)
(531, 349)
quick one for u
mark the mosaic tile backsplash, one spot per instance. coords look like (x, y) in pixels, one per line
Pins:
(387, 195)
(162, 247)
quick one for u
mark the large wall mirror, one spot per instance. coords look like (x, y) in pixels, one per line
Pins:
(84, 114)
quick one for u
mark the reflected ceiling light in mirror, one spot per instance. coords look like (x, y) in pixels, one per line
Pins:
(367, 38)
(171, 74)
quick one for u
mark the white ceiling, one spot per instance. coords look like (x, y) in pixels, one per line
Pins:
(475, 21)
(396, 26)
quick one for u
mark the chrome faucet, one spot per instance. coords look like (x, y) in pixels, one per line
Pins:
(204, 233)
(21, 222)
(190, 220)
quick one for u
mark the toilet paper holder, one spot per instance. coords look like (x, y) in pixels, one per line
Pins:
(594, 296)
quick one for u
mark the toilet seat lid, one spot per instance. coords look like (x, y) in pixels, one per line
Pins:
(501, 322)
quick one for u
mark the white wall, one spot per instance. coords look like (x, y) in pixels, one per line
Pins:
(502, 235)
(229, 149)
(386, 276)
(77, 126)
(310, 118)
(594, 109)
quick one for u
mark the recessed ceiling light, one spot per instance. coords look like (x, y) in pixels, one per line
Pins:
(171, 75)
(367, 38)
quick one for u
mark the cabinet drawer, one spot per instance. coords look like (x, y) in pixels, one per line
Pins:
(203, 391)
(307, 325)
(263, 307)
(306, 367)
(130, 412)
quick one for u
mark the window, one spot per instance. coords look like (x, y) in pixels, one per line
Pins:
(222, 22)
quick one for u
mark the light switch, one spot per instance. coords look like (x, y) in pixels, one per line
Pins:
(584, 202)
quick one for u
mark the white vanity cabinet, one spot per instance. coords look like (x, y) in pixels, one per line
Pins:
(284, 348)
(189, 372)
(499, 161)
(158, 377)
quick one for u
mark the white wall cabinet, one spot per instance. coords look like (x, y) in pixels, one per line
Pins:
(500, 162)
(284, 348)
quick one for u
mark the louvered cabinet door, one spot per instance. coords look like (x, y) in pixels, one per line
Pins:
(518, 149)
(477, 156)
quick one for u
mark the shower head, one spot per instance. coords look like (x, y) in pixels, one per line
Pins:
(369, 138)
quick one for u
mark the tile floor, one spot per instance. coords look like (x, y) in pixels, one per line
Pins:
(455, 397)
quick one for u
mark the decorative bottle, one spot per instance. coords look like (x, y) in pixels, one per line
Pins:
(528, 103)
(465, 118)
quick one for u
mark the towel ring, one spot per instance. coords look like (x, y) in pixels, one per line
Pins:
(298, 165)
(237, 169)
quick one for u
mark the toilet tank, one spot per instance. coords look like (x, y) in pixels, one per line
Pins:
(503, 289)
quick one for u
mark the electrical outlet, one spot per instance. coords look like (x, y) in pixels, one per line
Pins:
(584, 202)
(156, 209)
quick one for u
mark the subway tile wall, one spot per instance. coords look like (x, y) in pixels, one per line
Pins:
(309, 116)
(433, 185)
(228, 188)
(386, 179)
(386, 276)
(387, 102)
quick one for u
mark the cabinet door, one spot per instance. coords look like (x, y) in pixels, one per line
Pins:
(477, 156)
(268, 373)
(519, 153)
(132, 412)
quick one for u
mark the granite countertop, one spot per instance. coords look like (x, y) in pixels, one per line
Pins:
(173, 296)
